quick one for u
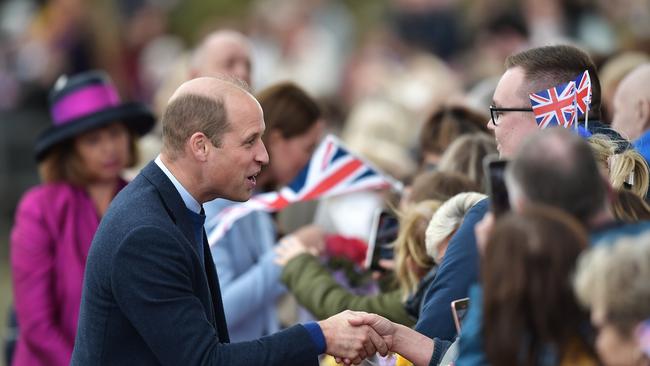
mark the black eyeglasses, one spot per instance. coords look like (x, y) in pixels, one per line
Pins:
(495, 112)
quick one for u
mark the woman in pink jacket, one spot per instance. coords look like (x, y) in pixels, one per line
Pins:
(81, 158)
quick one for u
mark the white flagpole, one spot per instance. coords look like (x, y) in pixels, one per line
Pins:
(575, 106)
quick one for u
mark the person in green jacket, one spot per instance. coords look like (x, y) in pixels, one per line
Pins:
(315, 288)
(312, 282)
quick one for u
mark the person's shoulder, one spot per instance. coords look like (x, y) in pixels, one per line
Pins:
(481, 206)
(48, 196)
(135, 193)
(49, 190)
(475, 214)
(133, 207)
(611, 233)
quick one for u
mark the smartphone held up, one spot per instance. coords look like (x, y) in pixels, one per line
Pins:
(385, 227)
(495, 169)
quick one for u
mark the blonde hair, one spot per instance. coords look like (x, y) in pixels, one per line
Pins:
(628, 207)
(410, 244)
(626, 167)
(448, 218)
(614, 277)
(465, 155)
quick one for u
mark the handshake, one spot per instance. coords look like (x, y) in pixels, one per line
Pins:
(353, 336)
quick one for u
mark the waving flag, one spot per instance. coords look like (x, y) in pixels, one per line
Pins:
(331, 171)
(583, 93)
(555, 106)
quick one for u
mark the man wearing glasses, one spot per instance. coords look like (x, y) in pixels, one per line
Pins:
(512, 118)
(512, 121)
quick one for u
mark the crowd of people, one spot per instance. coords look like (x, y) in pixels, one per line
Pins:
(119, 255)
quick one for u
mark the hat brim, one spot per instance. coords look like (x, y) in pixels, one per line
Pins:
(136, 116)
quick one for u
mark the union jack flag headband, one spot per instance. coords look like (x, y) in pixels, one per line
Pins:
(562, 104)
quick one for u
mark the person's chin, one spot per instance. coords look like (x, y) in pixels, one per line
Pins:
(242, 196)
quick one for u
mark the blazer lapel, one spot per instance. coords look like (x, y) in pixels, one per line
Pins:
(215, 292)
(176, 210)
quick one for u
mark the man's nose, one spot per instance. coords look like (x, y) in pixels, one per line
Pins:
(490, 124)
(262, 155)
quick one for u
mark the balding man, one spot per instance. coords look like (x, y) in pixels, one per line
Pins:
(632, 109)
(151, 293)
(223, 52)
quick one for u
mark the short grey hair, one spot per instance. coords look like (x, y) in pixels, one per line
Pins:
(448, 218)
(614, 277)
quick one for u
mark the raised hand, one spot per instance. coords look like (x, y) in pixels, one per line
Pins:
(351, 343)
(289, 248)
(312, 237)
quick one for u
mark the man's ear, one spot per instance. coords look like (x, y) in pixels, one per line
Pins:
(199, 146)
(643, 113)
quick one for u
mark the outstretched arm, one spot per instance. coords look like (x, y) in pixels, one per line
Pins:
(316, 289)
(153, 279)
(412, 345)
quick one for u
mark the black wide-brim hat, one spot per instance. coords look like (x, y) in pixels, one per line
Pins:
(86, 101)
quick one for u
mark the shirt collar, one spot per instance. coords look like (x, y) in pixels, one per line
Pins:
(191, 203)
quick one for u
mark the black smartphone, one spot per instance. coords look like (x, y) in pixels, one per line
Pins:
(385, 227)
(495, 169)
(458, 311)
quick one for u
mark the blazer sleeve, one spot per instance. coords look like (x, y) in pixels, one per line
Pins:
(457, 272)
(32, 264)
(152, 281)
(245, 293)
(315, 289)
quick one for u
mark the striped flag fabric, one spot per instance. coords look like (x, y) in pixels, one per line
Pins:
(583, 93)
(332, 170)
(555, 106)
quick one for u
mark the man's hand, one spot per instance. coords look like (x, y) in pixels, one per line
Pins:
(405, 341)
(349, 343)
(384, 327)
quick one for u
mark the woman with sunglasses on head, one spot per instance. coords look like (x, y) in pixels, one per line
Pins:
(80, 160)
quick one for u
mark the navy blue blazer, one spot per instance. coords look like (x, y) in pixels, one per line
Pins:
(147, 300)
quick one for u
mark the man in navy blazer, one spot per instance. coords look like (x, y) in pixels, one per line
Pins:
(151, 294)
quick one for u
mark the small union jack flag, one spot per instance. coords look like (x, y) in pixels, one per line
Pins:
(555, 106)
(332, 170)
(583, 93)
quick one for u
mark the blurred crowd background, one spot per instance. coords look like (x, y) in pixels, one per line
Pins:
(396, 59)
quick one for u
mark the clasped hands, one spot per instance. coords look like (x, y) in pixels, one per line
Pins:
(353, 336)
